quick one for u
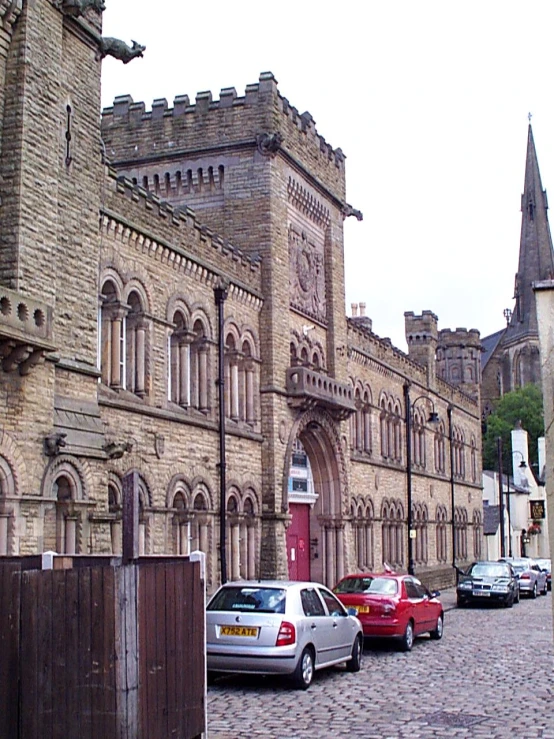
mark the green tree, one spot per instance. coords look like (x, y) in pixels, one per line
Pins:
(523, 405)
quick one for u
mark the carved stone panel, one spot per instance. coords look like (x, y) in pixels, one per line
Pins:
(307, 274)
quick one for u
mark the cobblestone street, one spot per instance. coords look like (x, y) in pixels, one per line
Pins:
(490, 676)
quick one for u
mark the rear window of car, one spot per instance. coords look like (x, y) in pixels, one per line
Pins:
(382, 585)
(489, 570)
(249, 599)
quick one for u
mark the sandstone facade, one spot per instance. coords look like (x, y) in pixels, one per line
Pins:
(115, 243)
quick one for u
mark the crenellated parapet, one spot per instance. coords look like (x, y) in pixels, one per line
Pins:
(459, 357)
(182, 242)
(261, 119)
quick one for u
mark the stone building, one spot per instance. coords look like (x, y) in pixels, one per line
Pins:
(511, 355)
(137, 252)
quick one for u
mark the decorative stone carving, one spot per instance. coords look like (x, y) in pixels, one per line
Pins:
(115, 450)
(307, 278)
(348, 210)
(269, 143)
(76, 8)
(119, 49)
(9, 11)
(53, 444)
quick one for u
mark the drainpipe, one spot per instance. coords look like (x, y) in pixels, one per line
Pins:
(452, 498)
(220, 295)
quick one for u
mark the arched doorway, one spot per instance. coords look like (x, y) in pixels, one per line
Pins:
(315, 537)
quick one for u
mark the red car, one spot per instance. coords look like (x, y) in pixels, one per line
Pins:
(391, 605)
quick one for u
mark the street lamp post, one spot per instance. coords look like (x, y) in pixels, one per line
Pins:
(433, 418)
(522, 465)
(500, 496)
(452, 498)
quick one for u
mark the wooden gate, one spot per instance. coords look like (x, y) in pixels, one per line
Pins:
(102, 650)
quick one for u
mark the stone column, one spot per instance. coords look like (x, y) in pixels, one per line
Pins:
(203, 352)
(234, 408)
(329, 555)
(184, 373)
(70, 535)
(340, 553)
(4, 520)
(249, 389)
(235, 549)
(140, 359)
(115, 364)
(251, 533)
(369, 546)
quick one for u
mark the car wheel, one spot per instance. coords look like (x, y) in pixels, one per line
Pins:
(407, 641)
(355, 661)
(544, 591)
(460, 602)
(211, 676)
(534, 593)
(304, 673)
(516, 596)
(509, 602)
(437, 632)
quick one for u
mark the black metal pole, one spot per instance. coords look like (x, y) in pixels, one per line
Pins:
(220, 293)
(452, 496)
(509, 514)
(501, 497)
(411, 567)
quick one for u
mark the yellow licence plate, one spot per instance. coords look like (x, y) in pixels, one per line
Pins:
(238, 631)
(362, 609)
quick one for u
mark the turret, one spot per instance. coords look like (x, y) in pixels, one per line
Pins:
(421, 336)
(459, 358)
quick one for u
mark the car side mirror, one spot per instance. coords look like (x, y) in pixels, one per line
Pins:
(435, 593)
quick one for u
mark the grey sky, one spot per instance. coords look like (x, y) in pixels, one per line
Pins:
(427, 99)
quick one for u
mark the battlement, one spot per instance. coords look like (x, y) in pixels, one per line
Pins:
(421, 329)
(133, 134)
(460, 337)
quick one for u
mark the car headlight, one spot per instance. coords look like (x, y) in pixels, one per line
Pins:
(500, 588)
(465, 586)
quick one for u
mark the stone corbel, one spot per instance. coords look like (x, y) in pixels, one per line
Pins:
(53, 444)
(115, 450)
(77, 8)
(9, 11)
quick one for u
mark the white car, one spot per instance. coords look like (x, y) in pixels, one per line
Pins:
(285, 628)
(532, 579)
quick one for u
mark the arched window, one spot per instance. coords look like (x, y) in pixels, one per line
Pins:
(65, 493)
(200, 368)
(460, 529)
(441, 533)
(440, 449)
(458, 452)
(115, 511)
(477, 535)
(392, 530)
(420, 520)
(7, 487)
(232, 404)
(179, 362)
(247, 410)
(473, 453)
(418, 440)
(135, 344)
(112, 337)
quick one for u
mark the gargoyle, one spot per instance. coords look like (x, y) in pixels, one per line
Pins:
(348, 210)
(53, 444)
(119, 49)
(78, 7)
(269, 144)
(115, 450)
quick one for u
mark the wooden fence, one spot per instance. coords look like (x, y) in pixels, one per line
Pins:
(101, 650)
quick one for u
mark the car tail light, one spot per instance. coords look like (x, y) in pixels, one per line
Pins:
(524, 576)
(286, 635)
(389, 608)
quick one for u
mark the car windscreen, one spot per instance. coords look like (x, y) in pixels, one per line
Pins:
(381, 585)
(520, 568)
(489, 570)
(249, 599)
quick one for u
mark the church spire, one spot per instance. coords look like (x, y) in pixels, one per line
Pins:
(536, 256)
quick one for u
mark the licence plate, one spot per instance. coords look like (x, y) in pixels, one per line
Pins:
(362, 609)
(238, 631)
(482, 593)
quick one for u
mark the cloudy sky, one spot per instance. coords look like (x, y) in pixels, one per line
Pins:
(429, 101)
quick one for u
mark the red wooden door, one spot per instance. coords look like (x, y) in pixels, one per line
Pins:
(298, 542)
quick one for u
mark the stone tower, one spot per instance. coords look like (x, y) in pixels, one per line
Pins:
(422, 337)
(459, 359)
(511, 356)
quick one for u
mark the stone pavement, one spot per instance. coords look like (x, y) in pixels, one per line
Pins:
(490, 677)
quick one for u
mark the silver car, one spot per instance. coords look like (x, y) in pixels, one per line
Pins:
(532, 579)
(285, 628)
